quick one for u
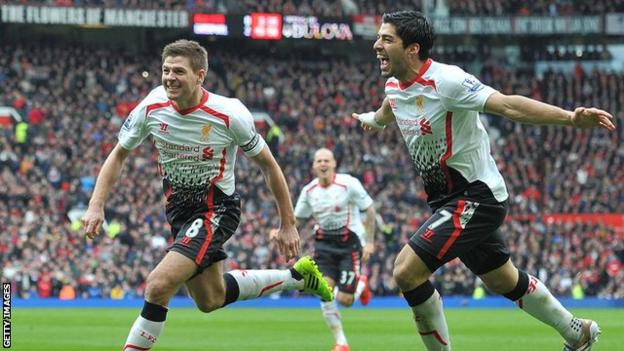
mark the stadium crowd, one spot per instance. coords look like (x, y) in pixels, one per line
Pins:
(337, 8)
(75, 98)
(534, 8)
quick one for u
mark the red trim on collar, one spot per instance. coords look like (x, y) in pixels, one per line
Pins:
(419, 79)
(222, 116)
(156, 106)
(330, 183)
(186, 111)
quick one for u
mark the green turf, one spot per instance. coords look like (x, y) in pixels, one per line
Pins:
(296, 329)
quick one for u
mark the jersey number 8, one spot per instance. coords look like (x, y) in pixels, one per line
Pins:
(192, 231)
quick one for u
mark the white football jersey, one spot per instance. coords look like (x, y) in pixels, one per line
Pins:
(438, 115)
(197, 146)
(336, 206)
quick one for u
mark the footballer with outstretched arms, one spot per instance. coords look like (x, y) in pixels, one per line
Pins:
(436, 107)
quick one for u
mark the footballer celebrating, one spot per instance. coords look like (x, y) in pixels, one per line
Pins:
(197, 135)
(436, 107)
(342, 241)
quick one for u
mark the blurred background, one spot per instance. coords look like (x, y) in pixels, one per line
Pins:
(72, 70)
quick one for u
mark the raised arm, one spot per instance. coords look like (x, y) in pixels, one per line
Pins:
(525, 110)
(287, 237)
(94, 217)
(376, 120)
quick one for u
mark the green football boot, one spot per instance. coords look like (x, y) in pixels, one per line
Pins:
(314, 283)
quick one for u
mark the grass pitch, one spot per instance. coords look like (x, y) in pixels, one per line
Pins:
(236, 329)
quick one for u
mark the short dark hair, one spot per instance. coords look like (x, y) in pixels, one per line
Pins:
(412, 27)
(190, 49)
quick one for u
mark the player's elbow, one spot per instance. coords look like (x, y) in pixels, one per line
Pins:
(370, 211)
(501, 105)
(119, 153)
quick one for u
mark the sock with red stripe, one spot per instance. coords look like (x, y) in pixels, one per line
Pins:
(537, 301)
(331, 314)
(359, 289)
(261, 282)
(426, 305)
(147, 327)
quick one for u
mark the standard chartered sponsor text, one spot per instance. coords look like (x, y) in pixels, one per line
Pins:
(171, 152)
(171, 156)
(169, 146)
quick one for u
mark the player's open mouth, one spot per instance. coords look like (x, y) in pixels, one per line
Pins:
(383, 62)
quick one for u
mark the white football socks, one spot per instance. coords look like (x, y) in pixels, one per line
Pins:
(331, 314)
(143, 334)
(359, 289)
(541, 304)
(431, 324)
(262, 282)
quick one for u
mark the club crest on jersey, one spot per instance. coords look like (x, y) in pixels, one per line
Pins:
(420, 103)
(205, 132)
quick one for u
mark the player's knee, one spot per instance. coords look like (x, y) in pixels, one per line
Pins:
(406, 277)
(501, 280)
(345, 300)
(211, 299)
(208, 306)
(158, 289)
(500, 286)
(400, 275)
